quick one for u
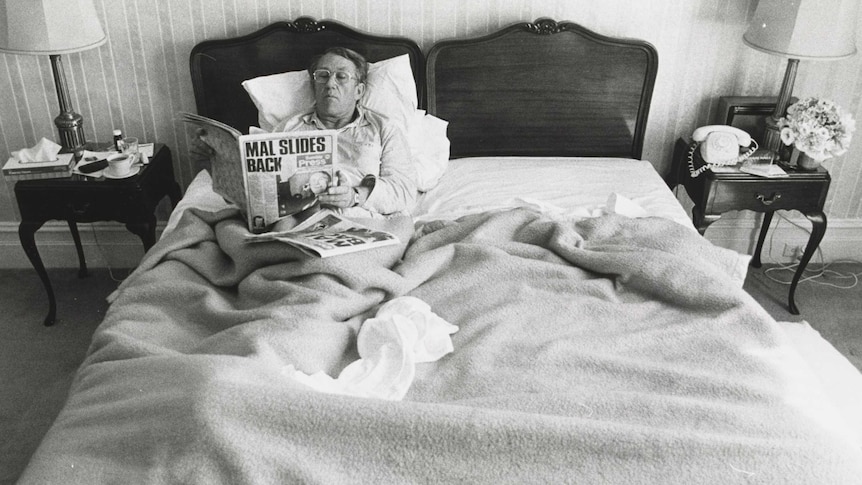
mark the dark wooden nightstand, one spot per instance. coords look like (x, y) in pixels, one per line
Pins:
(715, 193)
(85, 199)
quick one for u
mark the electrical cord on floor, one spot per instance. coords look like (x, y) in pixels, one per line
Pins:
(105, 258)
(815, 274)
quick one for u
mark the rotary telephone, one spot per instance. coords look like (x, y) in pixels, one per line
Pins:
(719, 146)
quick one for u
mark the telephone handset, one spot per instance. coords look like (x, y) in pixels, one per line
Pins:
(719, 145)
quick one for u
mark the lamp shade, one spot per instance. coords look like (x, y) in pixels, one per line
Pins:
(804, 29)
(49, 27)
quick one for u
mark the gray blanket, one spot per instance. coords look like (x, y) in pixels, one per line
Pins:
(611, 350)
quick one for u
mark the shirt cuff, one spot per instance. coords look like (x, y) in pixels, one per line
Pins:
(369, 181)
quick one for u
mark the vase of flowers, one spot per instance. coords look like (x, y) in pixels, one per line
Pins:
(817, 129)
(803, 160)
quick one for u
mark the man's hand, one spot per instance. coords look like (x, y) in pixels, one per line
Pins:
(200, 152)
(341, 195)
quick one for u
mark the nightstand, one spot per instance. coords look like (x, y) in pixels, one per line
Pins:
(85, 199)
(715, 193)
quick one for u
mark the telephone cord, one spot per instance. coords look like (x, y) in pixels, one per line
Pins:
(708, 166)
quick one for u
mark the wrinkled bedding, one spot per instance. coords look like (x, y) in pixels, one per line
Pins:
(608, 350)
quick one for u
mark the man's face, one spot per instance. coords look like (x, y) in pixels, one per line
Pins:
(333, 98)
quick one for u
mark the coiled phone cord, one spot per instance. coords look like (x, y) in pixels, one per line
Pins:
(707, 166)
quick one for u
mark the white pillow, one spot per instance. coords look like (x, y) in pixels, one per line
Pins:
(426, 136)
(280, 96)
(391, 91)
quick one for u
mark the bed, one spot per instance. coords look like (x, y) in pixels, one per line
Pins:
(551, 315)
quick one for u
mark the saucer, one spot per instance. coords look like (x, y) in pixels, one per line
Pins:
(132, 171)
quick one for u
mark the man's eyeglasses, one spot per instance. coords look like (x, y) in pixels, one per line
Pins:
(322, 76)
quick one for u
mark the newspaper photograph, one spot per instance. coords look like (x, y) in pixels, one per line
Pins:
(326, 234)
(269, 176)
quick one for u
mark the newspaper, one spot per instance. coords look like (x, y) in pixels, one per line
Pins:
(269, 176)
(326, 234)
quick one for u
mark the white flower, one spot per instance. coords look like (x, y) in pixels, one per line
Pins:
(817, 127)
(787, 136)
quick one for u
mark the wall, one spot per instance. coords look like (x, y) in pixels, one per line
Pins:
(140, 78)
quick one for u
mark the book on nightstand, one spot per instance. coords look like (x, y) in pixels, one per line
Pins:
(762, 163)
(761, 169)
(15, 169)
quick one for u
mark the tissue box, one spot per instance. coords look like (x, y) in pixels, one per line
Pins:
(61, 167)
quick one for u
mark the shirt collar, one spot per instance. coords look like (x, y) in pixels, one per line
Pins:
(360, 120)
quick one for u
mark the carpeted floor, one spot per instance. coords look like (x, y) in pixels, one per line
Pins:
(830, 302)
(37, 363)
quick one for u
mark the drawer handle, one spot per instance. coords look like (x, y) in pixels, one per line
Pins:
(80, 210)
(768, 200)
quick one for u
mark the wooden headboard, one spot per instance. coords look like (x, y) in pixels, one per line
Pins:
(218, 67)
(543, 89)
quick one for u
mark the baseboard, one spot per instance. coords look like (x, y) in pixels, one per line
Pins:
(842, 240)
(111, 245)
(106, 245)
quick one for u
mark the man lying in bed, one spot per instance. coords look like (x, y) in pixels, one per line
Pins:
(377, 174)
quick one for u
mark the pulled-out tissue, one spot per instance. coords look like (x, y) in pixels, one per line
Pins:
(404, 332)
(44, 151)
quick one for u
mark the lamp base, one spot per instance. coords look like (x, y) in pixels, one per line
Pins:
(70, 126)
(772, 140)
(771, 136)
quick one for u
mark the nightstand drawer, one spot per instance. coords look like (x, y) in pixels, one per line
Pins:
(766, 195)
(83, 205)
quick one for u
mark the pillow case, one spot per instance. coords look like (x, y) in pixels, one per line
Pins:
(426, 136)
(279, 96)
(390, 90)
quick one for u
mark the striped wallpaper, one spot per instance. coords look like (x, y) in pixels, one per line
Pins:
(140, 78)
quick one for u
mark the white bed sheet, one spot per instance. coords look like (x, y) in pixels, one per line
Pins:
(584, 184)
(840, 379)
(583, 187)
(579, 186)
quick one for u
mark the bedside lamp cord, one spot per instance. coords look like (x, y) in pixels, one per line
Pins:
(105, 256)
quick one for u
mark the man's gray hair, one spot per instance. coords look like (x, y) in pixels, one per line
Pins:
(351, 55)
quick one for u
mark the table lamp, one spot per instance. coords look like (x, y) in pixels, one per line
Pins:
(53, 28)
(800, 29)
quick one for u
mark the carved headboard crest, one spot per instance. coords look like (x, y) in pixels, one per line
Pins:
(307, 25)
(545, 26)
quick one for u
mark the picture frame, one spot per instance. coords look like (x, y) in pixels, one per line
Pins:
(747, 113)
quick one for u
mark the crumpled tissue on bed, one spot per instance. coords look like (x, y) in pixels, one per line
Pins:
(616, 204)
(404, 332)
